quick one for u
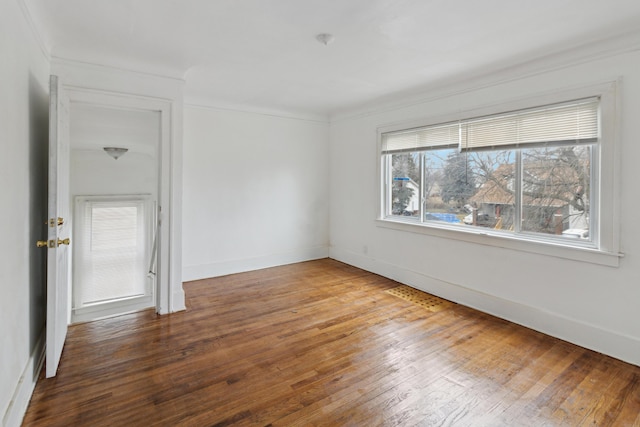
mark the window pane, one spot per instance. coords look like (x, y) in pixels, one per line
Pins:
(433, 173)
(111, 256)
(493, 203)
(405, 185)
(448, 183)
(114, 228)
(555, 190)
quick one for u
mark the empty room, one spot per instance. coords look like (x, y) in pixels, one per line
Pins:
(283, 213)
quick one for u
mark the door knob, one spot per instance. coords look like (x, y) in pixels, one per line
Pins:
(42, 244)
(66, 241)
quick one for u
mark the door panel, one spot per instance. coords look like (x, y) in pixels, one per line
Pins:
(58, 252)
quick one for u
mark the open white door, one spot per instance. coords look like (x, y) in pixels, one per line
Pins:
(58, 252)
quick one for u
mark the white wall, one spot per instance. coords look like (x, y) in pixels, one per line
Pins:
(93, 172)
(255, 191)
(592, 305)
(24, 101)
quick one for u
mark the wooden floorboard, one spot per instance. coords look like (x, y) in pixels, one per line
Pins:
(322, 343)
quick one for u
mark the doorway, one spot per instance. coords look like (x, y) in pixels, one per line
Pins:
(115, 209)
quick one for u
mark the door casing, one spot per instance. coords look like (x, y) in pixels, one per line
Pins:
(163, 291)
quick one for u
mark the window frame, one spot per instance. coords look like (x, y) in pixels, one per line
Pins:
(605, 167)
(82, 311)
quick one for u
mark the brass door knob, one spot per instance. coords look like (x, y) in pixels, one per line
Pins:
(42, 244)
(66, 241)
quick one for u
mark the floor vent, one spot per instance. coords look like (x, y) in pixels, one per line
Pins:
(428, 301)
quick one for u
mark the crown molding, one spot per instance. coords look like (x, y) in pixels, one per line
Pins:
(70, 62)
(205, 103)
(496, 75)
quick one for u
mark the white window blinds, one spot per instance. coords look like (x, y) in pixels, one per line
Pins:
(572, 122)
(425, 138)
(566, 123)
(112, 249)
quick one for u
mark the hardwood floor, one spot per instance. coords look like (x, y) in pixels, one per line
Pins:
(323, 344)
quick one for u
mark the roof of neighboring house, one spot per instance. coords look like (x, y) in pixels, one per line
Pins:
(556, 186)
(496, 189)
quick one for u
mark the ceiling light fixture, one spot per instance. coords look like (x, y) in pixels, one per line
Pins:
(325, 38)
(115, 152)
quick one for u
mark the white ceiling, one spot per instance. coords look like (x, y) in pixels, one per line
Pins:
(262, 54)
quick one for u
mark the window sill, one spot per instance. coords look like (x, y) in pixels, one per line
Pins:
(488, 238)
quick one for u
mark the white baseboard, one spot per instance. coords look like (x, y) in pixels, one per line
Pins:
(24, 389)
(197, 272)
(178, 300)
(611, 343)
(111, 309)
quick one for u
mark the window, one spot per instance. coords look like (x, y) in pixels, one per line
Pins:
(112, 253)
(528, 175)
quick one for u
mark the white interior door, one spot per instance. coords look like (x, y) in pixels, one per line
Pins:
(58, 252)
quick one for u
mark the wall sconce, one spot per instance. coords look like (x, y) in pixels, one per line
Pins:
(115, 152)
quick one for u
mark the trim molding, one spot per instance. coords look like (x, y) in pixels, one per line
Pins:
(604, 341)
(518, 69)
(206, 104)
(505, 241)
(113, 309)
(223, 268)
(70, 62)
(26, 384)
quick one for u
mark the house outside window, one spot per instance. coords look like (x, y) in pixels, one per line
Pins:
(537, 174)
